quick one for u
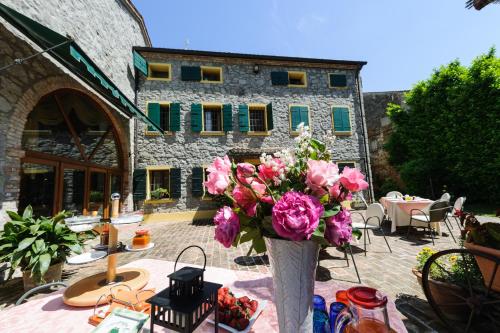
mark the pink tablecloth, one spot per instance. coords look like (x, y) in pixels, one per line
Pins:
(399, 210)
(51, 315)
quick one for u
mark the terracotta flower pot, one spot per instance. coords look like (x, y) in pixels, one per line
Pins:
(446, 293)
(54, 273)
(486, 266)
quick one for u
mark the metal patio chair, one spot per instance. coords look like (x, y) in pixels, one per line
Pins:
(457, 207)
(437, 213)
(39, 288)
(394, 194)
(372, 221)
(445, 197)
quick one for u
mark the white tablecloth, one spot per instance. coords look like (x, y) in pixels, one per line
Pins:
(398, 211)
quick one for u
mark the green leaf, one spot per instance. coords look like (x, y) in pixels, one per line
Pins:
(316, 144)
(39, 246)
(25, 243)
(6, 246)
(76, 248)
(331, 212)
(319, 239)
(44, 263)
(249, 235)
(14, 216)
(34, 228)
(259, 245)
(28, 212)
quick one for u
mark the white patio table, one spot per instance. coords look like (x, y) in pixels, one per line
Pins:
(398, 210)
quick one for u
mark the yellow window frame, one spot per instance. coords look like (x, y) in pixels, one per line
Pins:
(161, 67)
(302, 78)
(211, 133)
(333, 120)
(156, 133)
(335, 87)
(295, 133)
(212, 69)
(260, 106)
(148, 184)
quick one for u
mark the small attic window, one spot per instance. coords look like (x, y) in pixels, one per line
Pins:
(297, 79)
(159, 71)
(211, 74)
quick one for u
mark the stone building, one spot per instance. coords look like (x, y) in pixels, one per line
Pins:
(67, 112)
(212, 103)
(379, 129)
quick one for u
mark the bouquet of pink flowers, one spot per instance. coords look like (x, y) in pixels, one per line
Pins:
(294, 194)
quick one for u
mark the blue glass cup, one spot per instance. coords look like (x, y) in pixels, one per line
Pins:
(335, 309)
(319, 303)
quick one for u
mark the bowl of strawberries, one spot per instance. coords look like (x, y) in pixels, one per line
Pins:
(237, 314)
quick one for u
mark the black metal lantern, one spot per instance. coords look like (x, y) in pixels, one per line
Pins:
(188, 300)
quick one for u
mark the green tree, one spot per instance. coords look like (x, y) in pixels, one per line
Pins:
(448, 134)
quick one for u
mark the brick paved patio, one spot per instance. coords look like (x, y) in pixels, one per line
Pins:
(389, 272)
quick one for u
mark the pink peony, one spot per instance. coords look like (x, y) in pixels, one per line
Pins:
(321, 175)
(272, 170)
(246, 198)
(296, 216)
(220, 165)
(217, 182)
(245, 172)
(227, 226)
(353, 180)
(338, 228)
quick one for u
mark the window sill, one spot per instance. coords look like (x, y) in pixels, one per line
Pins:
(158, 79)
(342, 133)
(152, 133)
(265, 133)
(206, 81)
(214, 133)
(297, 85)
(335, 87)
(158, 201)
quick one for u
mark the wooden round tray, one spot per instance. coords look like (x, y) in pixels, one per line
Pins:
(87, 291)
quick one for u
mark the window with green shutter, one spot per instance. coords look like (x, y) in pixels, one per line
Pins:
(227, 117)
(175, 117)
(139, 184)
(196, 117)
(154, 115)
(175, 183)
(269, 115)
(197, 179)
(279, 78)
(298, 114)
(337, 80)
(341, 120)
(243, 117)
(190, 73)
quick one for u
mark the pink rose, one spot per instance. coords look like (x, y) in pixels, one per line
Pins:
(227, 226)
(339, 193)
(220, 164)
(353, 180)
(296, 216)
(338, 228)
(246, 198)
(217, 182)
(321, 175)
(272, 170)
(245, 172)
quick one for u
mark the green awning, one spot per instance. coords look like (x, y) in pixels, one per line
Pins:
(74, 58)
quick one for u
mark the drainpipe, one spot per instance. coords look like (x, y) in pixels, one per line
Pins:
(365, 138)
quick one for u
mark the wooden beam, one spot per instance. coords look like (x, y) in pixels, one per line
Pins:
(71, 128)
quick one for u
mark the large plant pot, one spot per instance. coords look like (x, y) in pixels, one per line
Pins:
(54, 273)
(446, 293)
(486, 266)
(293, 266)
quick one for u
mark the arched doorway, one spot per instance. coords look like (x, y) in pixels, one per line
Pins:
(73, 157)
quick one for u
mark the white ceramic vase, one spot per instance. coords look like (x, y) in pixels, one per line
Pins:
(293, 266)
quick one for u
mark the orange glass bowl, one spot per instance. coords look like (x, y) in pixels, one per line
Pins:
(141, 239)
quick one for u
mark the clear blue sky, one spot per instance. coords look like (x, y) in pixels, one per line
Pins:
(402, 40)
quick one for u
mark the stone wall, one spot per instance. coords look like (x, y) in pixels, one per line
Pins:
(186, 149)
(105, 29)
(379, 130)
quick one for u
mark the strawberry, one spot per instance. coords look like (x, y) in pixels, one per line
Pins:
(233, 323)
(244, 299)
(254, 305)
(242, 324)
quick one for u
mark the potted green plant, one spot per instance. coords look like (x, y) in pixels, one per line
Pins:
(160, 193)
(483, 238)
(38, 246)
(95, 200)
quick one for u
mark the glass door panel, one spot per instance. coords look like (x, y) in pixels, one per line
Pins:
(37, 188)
(73, 190)
(96, 193)
(115, 183)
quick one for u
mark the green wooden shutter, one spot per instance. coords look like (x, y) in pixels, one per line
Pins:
(175, 183)
(227, 117)
(341, 120)
(279, 78)
(338, 80)
(243, 117)
(175, 117)
(196, 118)
(139, 184)
(190, 73)
(269, 115)
(295, 117)
(154, 115)
(304, 115)
(197, 182)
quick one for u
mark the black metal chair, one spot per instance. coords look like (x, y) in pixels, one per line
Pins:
(437, 213)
